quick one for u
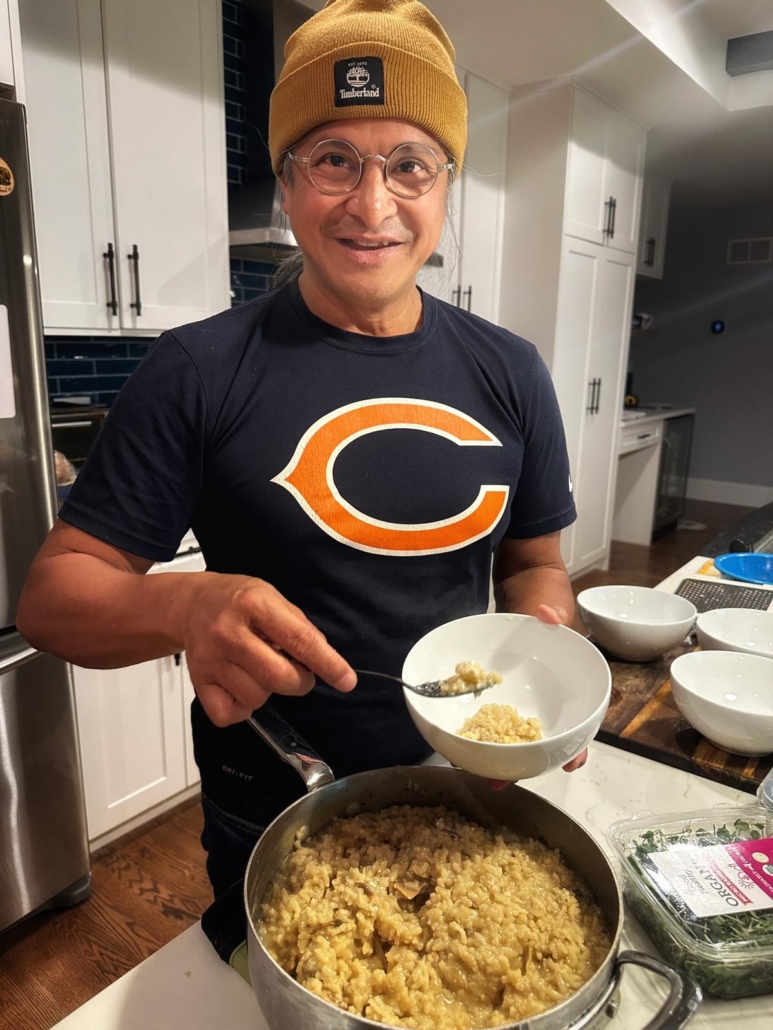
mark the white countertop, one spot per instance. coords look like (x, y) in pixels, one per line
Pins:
(656, 415)
(185, 984)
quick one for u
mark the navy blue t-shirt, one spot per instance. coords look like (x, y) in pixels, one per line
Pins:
(368, 479)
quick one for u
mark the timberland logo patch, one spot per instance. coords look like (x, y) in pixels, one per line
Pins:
(359, 80)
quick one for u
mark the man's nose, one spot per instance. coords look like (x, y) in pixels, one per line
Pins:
(371, 200)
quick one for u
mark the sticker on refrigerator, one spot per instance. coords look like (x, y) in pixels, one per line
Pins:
(6, 179)
(7, 396)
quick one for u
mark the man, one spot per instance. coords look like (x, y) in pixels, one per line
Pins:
(350, 453)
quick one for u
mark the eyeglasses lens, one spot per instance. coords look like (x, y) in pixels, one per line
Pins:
(334, 168)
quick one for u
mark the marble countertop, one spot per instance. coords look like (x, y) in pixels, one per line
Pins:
(185, 984)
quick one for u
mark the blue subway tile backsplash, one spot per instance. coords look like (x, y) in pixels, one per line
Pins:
(97, 368)
(91, 367)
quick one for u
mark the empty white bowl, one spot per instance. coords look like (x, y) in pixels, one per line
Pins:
(637, 623)
(736, 629)
(548, 672)
(728, 697)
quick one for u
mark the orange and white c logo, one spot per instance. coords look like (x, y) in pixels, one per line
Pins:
(309, 478)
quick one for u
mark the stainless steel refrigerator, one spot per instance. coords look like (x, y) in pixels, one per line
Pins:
(44, 858)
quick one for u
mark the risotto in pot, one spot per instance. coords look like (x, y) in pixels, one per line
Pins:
(418, 917)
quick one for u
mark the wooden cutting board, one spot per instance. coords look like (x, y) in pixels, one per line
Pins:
(643, 718)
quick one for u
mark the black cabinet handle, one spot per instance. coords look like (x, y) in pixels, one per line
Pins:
(468, 297)
(591, 408)
(137, 302)
(456, 296)
(598, 396)
(649, 260)
(613, 202)
(110, 255)
(607, 231)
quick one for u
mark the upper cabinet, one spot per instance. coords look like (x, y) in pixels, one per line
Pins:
(127, 148)
(574, 184)
(606, 160)
(654, 226)
(472, 238)
(6, 54)
(10, 63)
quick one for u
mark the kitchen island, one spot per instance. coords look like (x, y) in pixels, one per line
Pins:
(185, 984)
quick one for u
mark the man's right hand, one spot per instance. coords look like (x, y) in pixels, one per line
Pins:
(244, 641)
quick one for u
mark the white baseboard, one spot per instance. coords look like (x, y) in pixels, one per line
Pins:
(729, 493)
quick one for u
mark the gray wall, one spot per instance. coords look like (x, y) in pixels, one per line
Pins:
(727, 378)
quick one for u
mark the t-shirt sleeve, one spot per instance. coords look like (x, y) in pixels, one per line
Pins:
(543, 501)
(141, 481)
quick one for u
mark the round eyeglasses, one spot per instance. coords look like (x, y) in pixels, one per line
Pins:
(335, 168)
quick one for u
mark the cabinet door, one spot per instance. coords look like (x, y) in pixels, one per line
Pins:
(70, 161)
(483, 191)
(6, 54)
(578, 285)
(623, 181)
(654, 227)
(131, 739)
(607, 355)
(167, 121)
(586, 194)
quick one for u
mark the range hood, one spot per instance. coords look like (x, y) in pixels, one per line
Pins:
(257, 227)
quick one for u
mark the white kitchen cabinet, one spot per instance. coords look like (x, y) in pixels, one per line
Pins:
(134, 727)
(11, 77)
(595, 295)
(70, 162)
(6, 53)
(127, 144)
(654, 226)
(472, 241)
(131, 739)
(571, 292)
(606, 159)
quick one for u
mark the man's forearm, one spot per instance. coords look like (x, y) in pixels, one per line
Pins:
(525, 591)
(91, 614)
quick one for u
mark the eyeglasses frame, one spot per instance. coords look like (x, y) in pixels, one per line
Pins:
(441, 167)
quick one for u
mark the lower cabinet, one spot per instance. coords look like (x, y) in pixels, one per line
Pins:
(135, 733)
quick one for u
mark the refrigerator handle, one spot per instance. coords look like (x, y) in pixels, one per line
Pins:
(15, 660)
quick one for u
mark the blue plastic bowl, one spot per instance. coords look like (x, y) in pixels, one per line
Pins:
(751, 568)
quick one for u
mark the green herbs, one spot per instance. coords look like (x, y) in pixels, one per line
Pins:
(730, 955)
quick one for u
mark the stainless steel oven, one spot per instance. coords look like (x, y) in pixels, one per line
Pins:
(73, 432)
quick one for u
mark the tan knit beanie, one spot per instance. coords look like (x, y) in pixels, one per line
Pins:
(369, 59)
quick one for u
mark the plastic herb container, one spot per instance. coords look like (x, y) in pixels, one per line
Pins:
(701, 885)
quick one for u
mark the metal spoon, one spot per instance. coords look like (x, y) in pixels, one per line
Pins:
(431, 689)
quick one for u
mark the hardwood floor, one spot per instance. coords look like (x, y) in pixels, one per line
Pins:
(147, 888)
(151, 885)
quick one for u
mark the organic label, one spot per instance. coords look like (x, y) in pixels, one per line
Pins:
(720, 878)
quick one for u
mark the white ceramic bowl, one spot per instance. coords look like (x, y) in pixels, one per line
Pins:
(636, 623)
(736, 629)
(549, 672)
(728, 697)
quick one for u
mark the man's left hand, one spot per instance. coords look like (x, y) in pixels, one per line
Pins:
(553, 616)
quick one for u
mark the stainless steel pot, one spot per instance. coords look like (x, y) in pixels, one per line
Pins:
(286, 1005)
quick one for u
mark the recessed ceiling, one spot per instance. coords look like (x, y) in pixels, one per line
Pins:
(713, 156)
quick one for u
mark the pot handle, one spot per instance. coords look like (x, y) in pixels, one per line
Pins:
(291, 748)
(684, 996)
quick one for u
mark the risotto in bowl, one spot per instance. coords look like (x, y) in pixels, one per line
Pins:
(550, 675)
